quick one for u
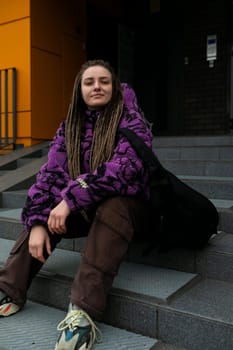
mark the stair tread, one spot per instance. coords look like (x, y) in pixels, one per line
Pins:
(22, 153)
(206, 178)
(11, 214)
(208, 298)
(222, 203)
(193, 141)
(15, 214)
(16, 192)
(148, 282)
(34, 327)
(20, 174)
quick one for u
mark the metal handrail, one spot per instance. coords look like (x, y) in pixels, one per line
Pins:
(7, 83)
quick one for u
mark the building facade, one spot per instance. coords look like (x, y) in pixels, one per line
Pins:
(177, 55)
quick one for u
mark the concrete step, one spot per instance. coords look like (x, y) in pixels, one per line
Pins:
(193, 141)
(214, 261)
(40, 321)
(162, 304)
(205, 148)
(34, 328)
(20, 162)
(136, 285)
(218, 188)
(10, 217)
(194, 153)
(9, 161)
(2, 172)
(13, 199)
(200, 318)
(199, 167)
(22, 177)
(136, 279)
(215, 187)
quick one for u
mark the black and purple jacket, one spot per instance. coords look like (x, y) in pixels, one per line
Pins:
(122, 175)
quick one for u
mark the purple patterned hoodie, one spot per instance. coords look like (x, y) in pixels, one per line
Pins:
(122, 175)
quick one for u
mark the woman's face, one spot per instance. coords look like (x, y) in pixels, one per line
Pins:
(96, 87)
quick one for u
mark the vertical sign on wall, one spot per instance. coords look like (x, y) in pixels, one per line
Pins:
(211, 49)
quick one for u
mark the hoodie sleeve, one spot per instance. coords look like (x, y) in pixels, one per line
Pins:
(45, 193)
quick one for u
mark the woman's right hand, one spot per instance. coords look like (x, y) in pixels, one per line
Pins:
(39, 239)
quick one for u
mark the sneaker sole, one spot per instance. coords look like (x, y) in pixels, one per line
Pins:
(9, 309)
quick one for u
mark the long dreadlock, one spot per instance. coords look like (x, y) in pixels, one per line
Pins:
(105, 128)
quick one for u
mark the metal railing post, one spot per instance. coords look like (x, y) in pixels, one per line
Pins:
(6, 107)
(0, 108)
(7, 94)
(14, 106)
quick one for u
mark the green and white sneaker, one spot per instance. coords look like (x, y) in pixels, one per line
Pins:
(78, 332)
(7, 306)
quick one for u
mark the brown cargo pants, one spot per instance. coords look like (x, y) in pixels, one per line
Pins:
(112, 227)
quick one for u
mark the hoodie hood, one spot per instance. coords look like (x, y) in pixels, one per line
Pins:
(130, 99)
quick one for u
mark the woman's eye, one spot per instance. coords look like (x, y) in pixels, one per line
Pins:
(105, 82)
(88, 83)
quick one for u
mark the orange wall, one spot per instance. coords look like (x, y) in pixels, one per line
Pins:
(44, 40)
(57, 53)
(15, 52)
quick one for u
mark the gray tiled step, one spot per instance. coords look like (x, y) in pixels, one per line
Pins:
(20, 162)
(155, 283)
(193, 141)
(34, 328)
(136, 286)
(194, 153)
(215, 187)
(200, 316)
(2, 172)
(22, 177)
(15, 213)
(9, 161)
(10, 224)
(204, 319)
(27, 160)
(214, 261)
(200, 167)
(14, 199)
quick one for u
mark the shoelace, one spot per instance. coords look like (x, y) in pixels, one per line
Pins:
(72, 321)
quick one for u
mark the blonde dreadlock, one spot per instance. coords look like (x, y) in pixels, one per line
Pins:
(105, 128)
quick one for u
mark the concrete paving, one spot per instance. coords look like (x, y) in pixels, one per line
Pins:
(34, 328)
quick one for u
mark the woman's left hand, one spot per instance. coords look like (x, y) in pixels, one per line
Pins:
(57, 218)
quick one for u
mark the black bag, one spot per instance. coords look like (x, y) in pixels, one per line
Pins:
(185, 218)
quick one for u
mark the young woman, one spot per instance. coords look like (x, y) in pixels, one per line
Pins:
(92, 185)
